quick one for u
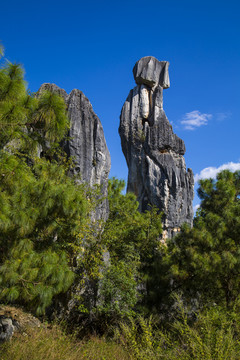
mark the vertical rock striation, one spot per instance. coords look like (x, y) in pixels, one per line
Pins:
(154, 154)
(86, 143)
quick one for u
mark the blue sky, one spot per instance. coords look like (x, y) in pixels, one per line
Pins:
(94, 45)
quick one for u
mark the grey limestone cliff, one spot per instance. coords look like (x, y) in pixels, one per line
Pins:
(86, 143)
(154, 154)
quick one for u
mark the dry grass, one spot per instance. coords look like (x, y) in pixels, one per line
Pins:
(53, 344)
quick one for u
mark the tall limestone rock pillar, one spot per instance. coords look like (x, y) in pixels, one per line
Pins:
(154, 154)
(86, 143)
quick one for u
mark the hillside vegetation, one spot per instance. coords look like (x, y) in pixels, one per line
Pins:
(131, 294)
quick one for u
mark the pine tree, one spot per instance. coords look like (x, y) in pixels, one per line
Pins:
(43, 211)
(203, 262)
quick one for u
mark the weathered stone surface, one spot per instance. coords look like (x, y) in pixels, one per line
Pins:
(54, 89)
(86, 144)
(14, 320)
(151, 72)
(154, 154)
(6, 328)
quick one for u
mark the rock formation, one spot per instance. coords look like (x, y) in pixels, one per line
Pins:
(13, 321)
(154, 154)
(86, 142)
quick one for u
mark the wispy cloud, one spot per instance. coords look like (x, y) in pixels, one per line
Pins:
(223, 115)
(211, 172)
(195, 119)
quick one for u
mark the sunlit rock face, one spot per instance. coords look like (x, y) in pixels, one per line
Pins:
(157, 172)
(86, 143)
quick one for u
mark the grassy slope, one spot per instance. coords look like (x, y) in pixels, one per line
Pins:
(53, 344)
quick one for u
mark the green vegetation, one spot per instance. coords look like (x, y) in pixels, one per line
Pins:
(131, 239)
(178, 299)
(203, 262)
(214, 335)
(36, 196)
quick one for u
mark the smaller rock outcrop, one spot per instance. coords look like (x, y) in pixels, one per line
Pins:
(14, 320)
(157, 172)
(6, 328)
(86, 143)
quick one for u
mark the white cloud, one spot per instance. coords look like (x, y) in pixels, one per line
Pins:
(196, 207)
(211, 172)
(195, 119)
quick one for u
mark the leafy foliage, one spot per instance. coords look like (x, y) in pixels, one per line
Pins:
(131, 238)
(213, 335)
(129, 234)
(117, 291)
